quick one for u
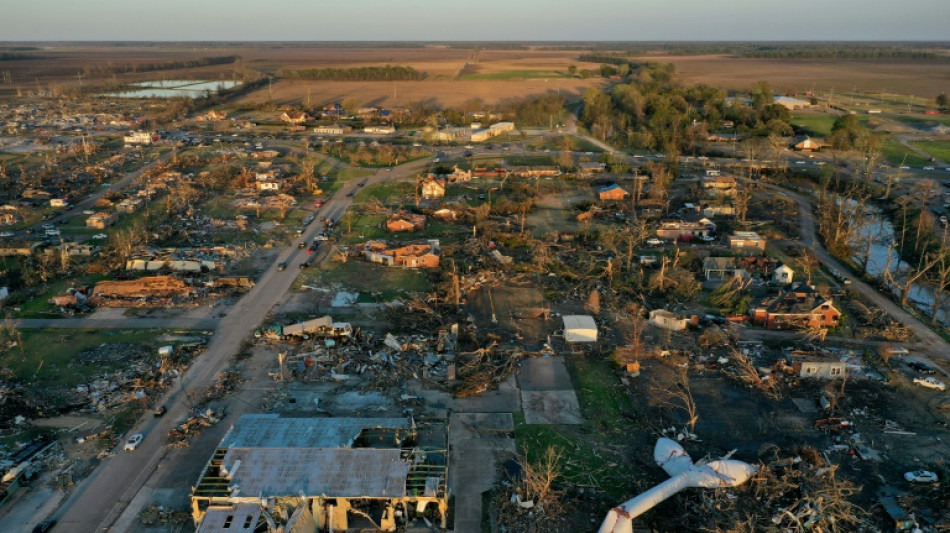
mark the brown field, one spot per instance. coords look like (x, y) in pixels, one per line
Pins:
(920, 78)
(445, 93)
(515, 72)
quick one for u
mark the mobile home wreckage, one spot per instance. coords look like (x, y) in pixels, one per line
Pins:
(324, 474)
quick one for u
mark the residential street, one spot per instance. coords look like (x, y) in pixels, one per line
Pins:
(99, 500)
(934, 345)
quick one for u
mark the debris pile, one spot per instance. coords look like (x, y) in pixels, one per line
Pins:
(180, 435)
(153, 291)
(155, 514)
(226, 383)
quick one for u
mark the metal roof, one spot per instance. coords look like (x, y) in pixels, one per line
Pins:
(274, 431)
(334, 473)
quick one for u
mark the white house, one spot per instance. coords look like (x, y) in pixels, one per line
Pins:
(783, 274)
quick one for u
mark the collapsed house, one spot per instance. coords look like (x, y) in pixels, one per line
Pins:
(148, 288)
(798, 305)
(337, 473)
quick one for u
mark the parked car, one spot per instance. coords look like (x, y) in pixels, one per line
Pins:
(100, 236)
(921, 476)
(133, 442)
(160, 411)
(281, 266)
(52, 233)
(6, 234)
(708, 238)
(931, 383)
(654, 242)
(44, 526)
(921, 367)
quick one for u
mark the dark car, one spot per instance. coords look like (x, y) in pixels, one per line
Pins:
(305, 264)
(160, 411)
(281, 266)
(921, 367)
(351, 193)
(301, 244)
(44, 526)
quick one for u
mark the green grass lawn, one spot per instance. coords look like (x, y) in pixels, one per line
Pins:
(364, 277)
(46, 354)
(513, 75)
(938, 149)
(604, 405)
(39, 306)
(817, 125)
(897, 154)
(387, 192)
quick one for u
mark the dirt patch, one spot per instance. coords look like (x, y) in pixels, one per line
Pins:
(515, 309)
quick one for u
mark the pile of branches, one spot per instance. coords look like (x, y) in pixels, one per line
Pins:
(480, 370)
(531, 501)
(742, 370)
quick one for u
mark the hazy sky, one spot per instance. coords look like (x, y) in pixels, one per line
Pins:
(446, 20)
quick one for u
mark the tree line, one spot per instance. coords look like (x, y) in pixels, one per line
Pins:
(387, 73)
(650, 110)
(839, 52)
(125, 68)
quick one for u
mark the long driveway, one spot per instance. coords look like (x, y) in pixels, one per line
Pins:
(101, 498)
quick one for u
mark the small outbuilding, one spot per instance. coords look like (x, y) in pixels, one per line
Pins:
(783, 274)
(580, 328)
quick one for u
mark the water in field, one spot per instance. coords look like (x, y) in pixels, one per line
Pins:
(882, 232)
(174, 89)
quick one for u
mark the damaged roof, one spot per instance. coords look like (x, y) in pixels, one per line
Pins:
(242, 517)
(274, 431)
(334, 473)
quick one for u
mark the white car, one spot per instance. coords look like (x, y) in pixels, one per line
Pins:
(89, 212)
(708, 238)
(6, 234)
(133, 442)
(928, 168)
(52, 233)
(921, 476)
(100, 236)
(931, 383)
(654, 242)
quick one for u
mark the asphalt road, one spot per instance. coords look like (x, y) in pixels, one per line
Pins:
(102, 497)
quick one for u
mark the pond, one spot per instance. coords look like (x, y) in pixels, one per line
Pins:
(173, 89)
(882, 234)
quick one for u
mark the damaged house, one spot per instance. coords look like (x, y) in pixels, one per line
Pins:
(683, 230)
(401, 222)
(799, 305)
(340, 473)
(417, 255)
